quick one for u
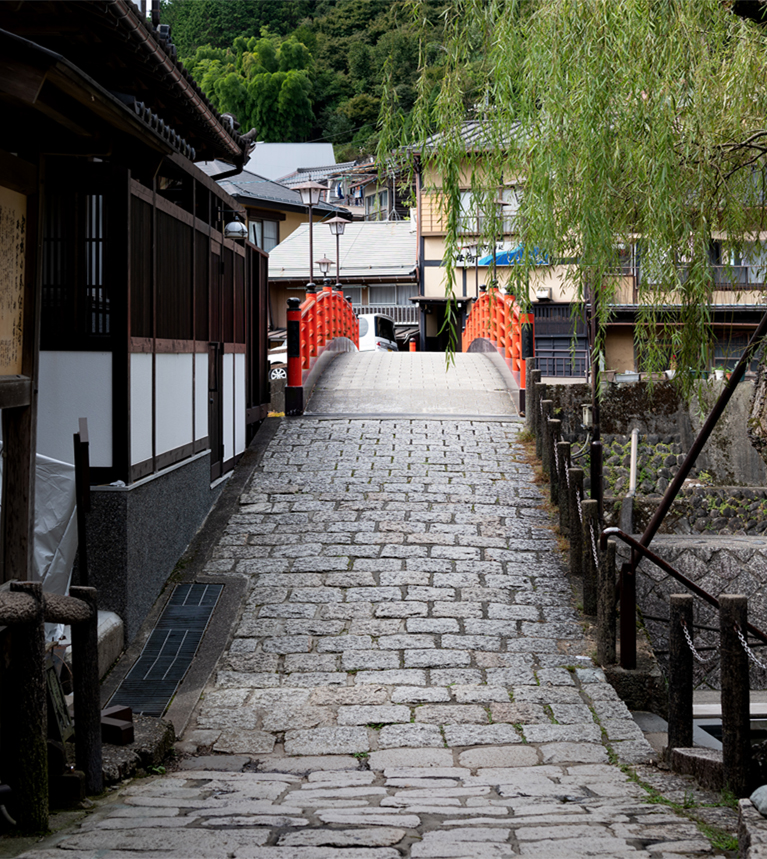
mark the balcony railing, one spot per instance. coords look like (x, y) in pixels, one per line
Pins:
(725, 278)
(402, 314)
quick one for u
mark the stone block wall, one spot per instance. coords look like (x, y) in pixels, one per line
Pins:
(735, 565)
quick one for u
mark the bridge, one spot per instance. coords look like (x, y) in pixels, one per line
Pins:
(487, 376)
(405, 676)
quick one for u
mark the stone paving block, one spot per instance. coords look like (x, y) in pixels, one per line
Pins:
(492, 761)
(564, 752)
(457, 609)
(555, 677)
(420, 695)
(389, 758)
(350, 695)
(376, 626)
(455, 676)
(549, 695)
(379, 817)
(436, 658)
(474, 735)
(402, 609)
(311, 662)
(346, 611)
(578, 733)
(432, 625)
(568, 714)
(368, 715)
(311, 679)
(472, 642)
(248, 742)
(193, 843)
(443, 714)
(327, 741)
(360, 660)
(304, 765)
(415, 735)
(288, 610)
(403, 677)
(288, 644)
(382, 836)
(340, 643)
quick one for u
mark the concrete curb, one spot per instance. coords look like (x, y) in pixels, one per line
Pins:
(752, 832)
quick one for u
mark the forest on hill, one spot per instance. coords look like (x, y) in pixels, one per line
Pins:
(306, 70)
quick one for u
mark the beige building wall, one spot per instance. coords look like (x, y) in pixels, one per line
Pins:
(292, 222)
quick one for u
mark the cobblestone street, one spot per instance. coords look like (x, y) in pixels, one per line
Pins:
(408, 676)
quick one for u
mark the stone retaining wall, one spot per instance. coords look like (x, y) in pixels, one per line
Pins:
(735, 565)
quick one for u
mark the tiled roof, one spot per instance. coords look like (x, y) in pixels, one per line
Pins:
(367, 249)
(247, 186)
(114, 44)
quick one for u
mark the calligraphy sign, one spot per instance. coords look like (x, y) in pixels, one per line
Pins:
(13, 234)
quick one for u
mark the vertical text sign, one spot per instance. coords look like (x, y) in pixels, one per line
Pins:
(13, 229)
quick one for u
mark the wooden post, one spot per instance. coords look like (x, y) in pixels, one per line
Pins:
(679, 674)
(563, 496)
(83, 497)
(606, 606)
(294, 392)
(531, 407)
(25, 717)
(544, 435)
(590, 521)
(555, 429)
(628, 617)
(87, 692)
(576, 530)
(540, 426)
(736, 743)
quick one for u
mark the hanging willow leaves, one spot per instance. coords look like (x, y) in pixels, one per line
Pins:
(630, 124)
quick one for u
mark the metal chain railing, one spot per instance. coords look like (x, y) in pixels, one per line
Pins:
(692, 646)
(594, 545)
(578, 504)
(751, 655)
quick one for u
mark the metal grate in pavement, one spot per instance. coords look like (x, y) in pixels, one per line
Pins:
(167, 655)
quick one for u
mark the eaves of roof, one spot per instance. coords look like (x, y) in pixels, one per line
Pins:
(112, 44)
(122, 114)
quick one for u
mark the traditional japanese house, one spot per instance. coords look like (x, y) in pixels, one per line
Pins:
(152, 323)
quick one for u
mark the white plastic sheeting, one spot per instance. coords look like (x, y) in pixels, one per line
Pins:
(55, 523)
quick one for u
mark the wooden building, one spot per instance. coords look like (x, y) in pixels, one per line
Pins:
(122, 300)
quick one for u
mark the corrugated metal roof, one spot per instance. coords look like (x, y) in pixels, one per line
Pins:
(367, 249)
(315, 174)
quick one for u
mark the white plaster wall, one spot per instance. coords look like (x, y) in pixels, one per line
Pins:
(173, 401)
(201, 395)
(140, 407)
(228, 406)
(239, 404)
(75, 385)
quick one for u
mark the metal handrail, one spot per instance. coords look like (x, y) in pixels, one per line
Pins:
(667, 568)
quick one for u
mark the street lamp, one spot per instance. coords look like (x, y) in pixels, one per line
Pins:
(337, 226)
(310, 196)
(324, 265)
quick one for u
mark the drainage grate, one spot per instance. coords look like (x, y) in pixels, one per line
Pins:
(153, 680)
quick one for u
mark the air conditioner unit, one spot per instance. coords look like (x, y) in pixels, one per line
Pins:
(543, 293)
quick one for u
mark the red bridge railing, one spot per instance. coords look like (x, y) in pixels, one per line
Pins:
(322, 317)
(497, 317)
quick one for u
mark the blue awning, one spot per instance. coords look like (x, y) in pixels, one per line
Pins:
(515, 256)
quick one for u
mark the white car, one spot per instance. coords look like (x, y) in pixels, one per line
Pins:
(377, 333)
(278, 359)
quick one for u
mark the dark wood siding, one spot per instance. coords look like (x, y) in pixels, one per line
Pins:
(141, 268)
